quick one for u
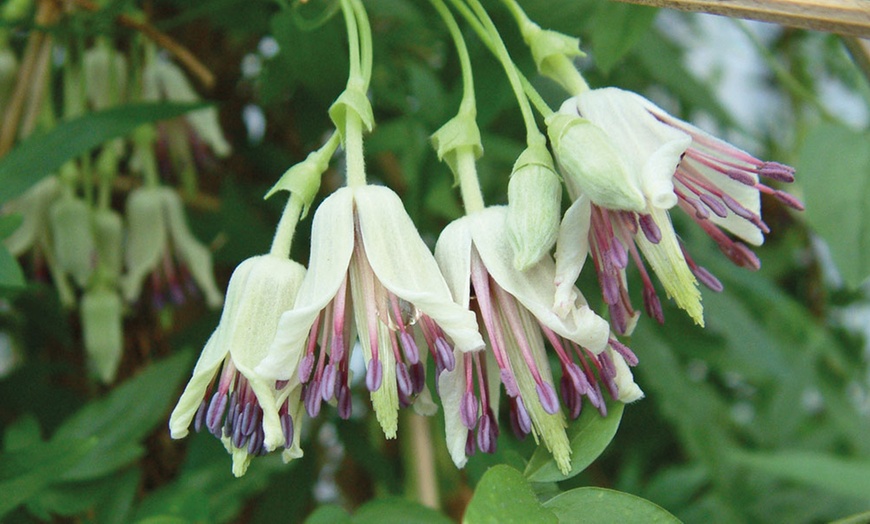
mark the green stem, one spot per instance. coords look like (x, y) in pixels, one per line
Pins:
(283, 240)
(353, 44)
(468, 100)
(353, 147)
(469, 185)
(365, 41)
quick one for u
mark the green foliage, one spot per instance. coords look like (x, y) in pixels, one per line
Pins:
(606, 505)
(503, 495)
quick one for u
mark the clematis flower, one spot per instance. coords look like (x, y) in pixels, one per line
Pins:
(515, 307)
(627, 163)
(369, 273)
(160, 244)
(240, 406)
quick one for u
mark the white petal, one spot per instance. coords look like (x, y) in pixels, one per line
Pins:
(652, 149)
(209, 361)
(535, 287)
(33, 206)
(406, 267)
(146, 238)
(451, 386)
(331, 248)
(571, 251)
(453, 254)
(628, 390)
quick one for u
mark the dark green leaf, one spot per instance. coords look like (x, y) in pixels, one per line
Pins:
(503, 496)
(39, 155)
(124, 417)
(834, 168)
(588, 436)
(24, 472)
(329, 515)
(22, 433)
(11, 275)
(395, 510)
(603, 506)
(615, 29)
(847, 477)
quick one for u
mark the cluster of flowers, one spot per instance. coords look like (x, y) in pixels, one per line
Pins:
(98, 260)
(284, 342)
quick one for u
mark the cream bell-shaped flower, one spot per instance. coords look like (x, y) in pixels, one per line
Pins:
(476, 257)
(160, 244)
(369, 273)
(240, 406)
(667, 163)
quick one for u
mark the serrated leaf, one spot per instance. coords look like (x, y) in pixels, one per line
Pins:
(588, 436)
(24, 472)
(834, 169)
(395, 510)
(39, 155)
(124, 417)
(503, 496)
(847, 477)
(615, 29)
(606, 505)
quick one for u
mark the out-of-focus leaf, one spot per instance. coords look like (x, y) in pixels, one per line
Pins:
(848, 477)
(9, 223)
(860, 518)
(124, 417)
(606, 505)
(395, 510)
(22, 433)
(834, 169)
(11, 275)
(589, 435)
(504, 496)
(164, 519)
(25, 471)
(615, 29)
(108, 493)
(39, 155)
(329, 515)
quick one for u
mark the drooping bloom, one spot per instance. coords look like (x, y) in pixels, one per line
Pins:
(160, 244)
(515, 307)
(626, 163)
(370, 269)
(240, 407)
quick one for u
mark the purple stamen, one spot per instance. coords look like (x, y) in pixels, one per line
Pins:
(344, 401)
(418, 377)
(255, 442)
(327, 388)
(239, 438)
(374, 375)
(445, 353)
(624, 351)
(199, 418)
(510, 383)
(247, 422)
(306, 366)
(714, 205)
(523, 419)
(788, 200)
(216, 412)
(570, 396)
(468, 410)
(409, 347)
(469, 444)
(652, 304)
(740, 176)
(777, 171)
(487, 433)
(287, 428)
(312, 398)
(548, 398)
(618, 255)
(738, 209)
(650, 229)
(707, 278)
(403, 379)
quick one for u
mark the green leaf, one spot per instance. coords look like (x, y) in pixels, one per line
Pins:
(615, 29)
(503, 496)
(834, 168)
(329, 515)
(395, 510)
(11, 275)
(850, 478)
(605, 505)
(41, 154)
(24, 472)
(22, 433)
(124, 418)
(9, 223)
(588, 436)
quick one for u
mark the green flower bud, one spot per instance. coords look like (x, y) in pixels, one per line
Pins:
(589, 160)
(146, 237)
(106, 71)
(103, 331)
(109, 236)
(70, 221)
(534, 207)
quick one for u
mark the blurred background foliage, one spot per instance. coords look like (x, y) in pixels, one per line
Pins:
(764, 416)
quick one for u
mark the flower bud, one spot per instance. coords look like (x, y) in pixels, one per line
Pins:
(109, 236)
(146, 237)
(590, 163)
(102, 328)
(70, 221)
(534, 205)
(106, 71)
(33, 207)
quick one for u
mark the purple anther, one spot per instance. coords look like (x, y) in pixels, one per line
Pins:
(547, 396)
(523, 418)
(788, 200)
(510, 383)
(409, 347)
(745, 257)
(337, 353)
(624, 351)
(374, 375)
(566, 388)
(577, 378)
(247, 422)
(327, 384)
(714, 205)
(609, 287)
(777, 171)
(255, 442)
(403, 380)
(652, 304)
(312, 398)
(609, 382)
(287, 429)
(469, 444)
(608, 368)
(629, 219)
(617, 318)
(199, 418)
(215, 413)
(306, 366)
(650, 229)
(738, 209)
(701, 211)
(418, 377)
(487, 433)
(344, 401)
(445, 353)
(594, 396)
(404, 400)
(468, 410)
(708, 279)
(239, 438)
(618, 255)
(741, 176)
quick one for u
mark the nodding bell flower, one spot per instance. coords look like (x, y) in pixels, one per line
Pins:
(237, 405)
(628, 167)
(106, 71)
(103, 331)
(370, 269)
(515, 307)
(160, 244)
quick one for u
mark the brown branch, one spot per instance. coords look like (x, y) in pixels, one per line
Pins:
(845, 17)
